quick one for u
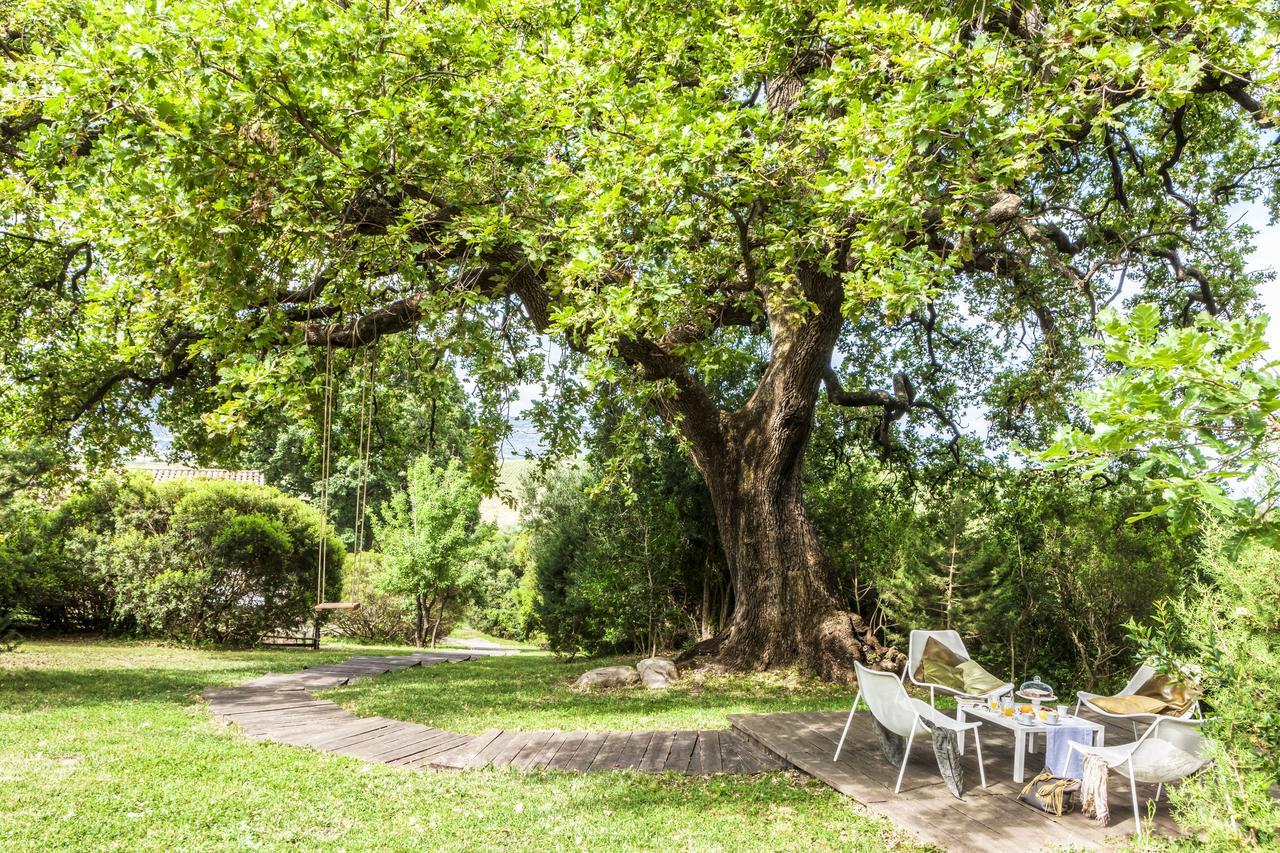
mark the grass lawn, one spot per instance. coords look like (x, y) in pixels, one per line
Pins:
(104, 745)
(529, 691)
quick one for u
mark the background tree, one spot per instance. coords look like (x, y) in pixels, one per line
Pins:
(931, 199)
(429, 535)
(387, 411)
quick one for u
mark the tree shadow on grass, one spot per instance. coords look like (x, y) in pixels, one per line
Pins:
(527, 692)
(53, 675)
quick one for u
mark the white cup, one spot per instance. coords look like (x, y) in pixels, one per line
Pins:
(1064, 711)
(1051, 717)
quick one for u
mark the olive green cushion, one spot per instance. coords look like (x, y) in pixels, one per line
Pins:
(939, 659)
(977, 681)
(941, 673)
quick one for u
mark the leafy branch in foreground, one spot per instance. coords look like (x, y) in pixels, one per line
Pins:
(1198, 410)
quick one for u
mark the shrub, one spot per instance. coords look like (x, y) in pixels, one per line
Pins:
(9, 636)
(199, 561)
(50, 576)
(208, 561)
(501, 598)
(615, 571)
(383, 617)
(1038, 570)
(1227, 628)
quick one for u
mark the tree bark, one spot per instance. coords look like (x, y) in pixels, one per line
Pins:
(435, 627)
(789, 608)
(788, 604)
(419, 628)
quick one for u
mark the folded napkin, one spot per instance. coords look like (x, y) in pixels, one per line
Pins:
(1059, 758)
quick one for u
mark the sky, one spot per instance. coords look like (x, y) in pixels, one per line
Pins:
(1266, 256)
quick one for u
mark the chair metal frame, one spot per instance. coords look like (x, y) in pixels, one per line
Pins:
(950, 639)
(1180, 732)
(895, 707)
(1141, 677)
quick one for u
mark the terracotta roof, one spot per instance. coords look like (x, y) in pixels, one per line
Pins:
(182, 472)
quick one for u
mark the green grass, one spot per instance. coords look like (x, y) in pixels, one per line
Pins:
(106, 746)
(465, 632)
(530, 691)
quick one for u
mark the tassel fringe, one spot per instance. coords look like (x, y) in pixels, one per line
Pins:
(1093, 789)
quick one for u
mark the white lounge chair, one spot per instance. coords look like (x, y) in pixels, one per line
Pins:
(950, 639)
(1170, 750)
(1141, 677)
(899, 713)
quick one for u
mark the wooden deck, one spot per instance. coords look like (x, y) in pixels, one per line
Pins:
(280, 708)
(986, 819)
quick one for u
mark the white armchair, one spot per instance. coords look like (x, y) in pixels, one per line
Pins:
(1170, 750)
(904, 716)
(950, 639)
(1141, 677)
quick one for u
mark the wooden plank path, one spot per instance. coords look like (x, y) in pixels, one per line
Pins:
(280, 707)
(985, 819)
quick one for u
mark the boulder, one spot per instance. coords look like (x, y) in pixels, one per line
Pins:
(657, 673)
(605, 677)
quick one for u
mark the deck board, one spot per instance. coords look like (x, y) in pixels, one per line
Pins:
(709, 752)
(586, 752)
(532, 749)
(510, 746)
(655, 755)
(565, 751)
(610, 750)
(633, 751)
(678, 759)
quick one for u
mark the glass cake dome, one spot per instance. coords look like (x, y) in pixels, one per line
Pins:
(1035, 689)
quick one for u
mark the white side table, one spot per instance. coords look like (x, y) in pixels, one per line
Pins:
(1024, 734)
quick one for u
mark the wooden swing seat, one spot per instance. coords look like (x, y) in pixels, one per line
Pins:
(338, 605)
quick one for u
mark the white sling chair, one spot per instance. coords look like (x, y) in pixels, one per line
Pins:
(1171, 749)
(1141, 677)
(899, 713)
(950, 639)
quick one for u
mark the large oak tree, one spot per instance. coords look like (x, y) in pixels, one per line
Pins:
(204, 201)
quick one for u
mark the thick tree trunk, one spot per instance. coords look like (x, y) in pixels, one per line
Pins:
(788, 604)
(789, 607)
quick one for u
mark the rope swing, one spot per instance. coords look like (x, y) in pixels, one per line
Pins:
(365, 445)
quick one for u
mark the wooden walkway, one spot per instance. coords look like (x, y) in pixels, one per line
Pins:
(986, 819)
(281, 708)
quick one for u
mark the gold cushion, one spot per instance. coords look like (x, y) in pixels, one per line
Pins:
(1129, 704)
(977, 681)
(1177, 698)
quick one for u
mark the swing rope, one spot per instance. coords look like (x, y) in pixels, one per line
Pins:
(368, 407)
(364, 450)
(325, 446)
